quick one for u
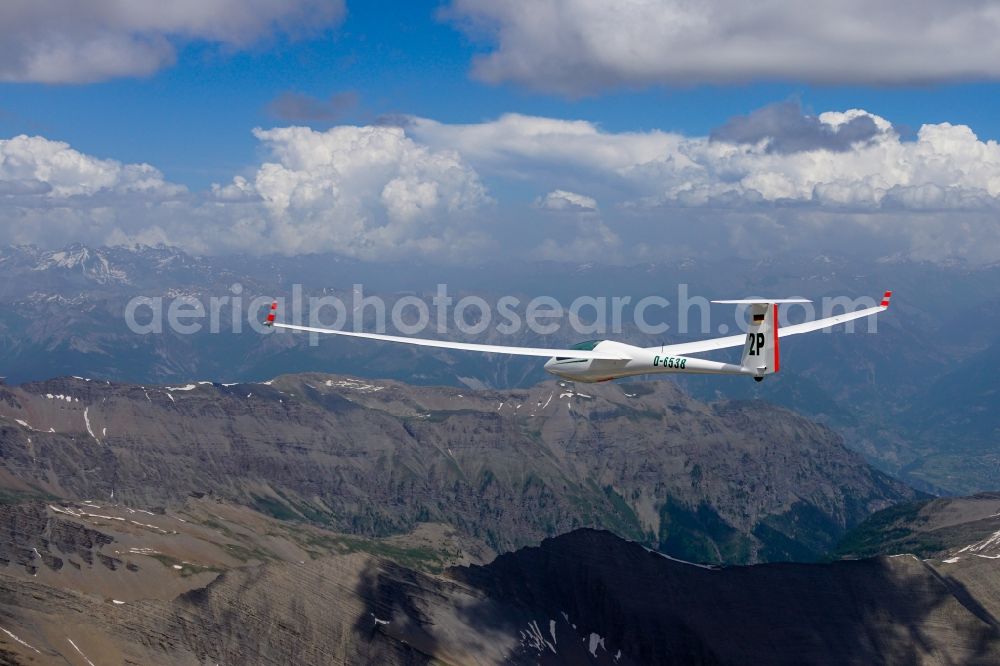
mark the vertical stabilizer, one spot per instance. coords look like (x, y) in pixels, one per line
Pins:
(761, 354)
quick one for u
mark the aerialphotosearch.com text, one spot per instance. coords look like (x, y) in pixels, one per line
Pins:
(441, 314)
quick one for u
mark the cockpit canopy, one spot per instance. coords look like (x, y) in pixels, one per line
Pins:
(582, 346)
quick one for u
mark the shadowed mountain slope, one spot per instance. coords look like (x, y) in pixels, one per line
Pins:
(217, 583)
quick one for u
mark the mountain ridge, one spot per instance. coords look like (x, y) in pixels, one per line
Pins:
(885, 394)
(729, 482)
(218, 583)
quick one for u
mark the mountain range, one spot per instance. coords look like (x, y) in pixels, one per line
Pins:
(212, 582)
(328, 519)
(915, 399)
(720, 482)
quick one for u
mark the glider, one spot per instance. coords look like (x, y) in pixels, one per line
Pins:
(604, 360)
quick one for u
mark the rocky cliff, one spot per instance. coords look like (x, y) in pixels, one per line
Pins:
(218, 583)
(722, 482)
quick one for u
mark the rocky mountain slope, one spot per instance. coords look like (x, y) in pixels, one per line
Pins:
(915, 398)
(948, 528)
(724, 482)
(213, 582)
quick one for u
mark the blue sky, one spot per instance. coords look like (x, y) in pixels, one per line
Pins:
(193, 120)
(452, 134)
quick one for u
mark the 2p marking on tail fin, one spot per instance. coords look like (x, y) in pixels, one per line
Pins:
(760, 355)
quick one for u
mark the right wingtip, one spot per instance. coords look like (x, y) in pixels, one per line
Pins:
(885, 298)
(270, 314)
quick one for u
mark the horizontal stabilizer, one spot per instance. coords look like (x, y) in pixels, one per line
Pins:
(699, 346)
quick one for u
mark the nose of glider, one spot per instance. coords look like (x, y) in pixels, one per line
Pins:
(559, 368)
(553, 367)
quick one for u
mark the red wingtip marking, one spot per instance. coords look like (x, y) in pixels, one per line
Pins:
(885, 299)
(274, 305)
(774, 325)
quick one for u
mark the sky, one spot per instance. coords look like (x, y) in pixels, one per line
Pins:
(573, 130)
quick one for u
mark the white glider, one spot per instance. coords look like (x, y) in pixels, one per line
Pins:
(604, 360)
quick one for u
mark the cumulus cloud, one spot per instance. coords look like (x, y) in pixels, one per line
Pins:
(363, 191)
(66, 41)
(38, 166)
(946, 167)
(581, 46)
(50, 192)
(368, 190)
(562, 200)
(771, 189)
(419, 189)
(514, 141)
(823, 160)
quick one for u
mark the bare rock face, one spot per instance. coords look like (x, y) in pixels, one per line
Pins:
(725, 482)
(212, 581)
(587, 597)
(30, 537)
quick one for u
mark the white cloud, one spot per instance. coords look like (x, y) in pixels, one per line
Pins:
(67, 41)
(933, 197)
(516, 143)
(562, 200)
(946, 167)
(589, 239)
(384, 192)
(580, 46)
(54, 170)
(362, 191)
(51, 193)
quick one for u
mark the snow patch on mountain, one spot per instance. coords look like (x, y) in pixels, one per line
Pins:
(92, 264)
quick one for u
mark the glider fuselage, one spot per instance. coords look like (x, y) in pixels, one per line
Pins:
(640, 361)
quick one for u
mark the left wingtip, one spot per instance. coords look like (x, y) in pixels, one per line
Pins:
(270, 314)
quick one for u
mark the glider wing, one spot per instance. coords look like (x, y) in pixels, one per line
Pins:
(465, 346)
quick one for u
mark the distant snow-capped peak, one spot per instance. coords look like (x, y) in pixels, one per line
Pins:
(93, 264)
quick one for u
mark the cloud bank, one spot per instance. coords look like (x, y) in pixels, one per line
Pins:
(850, 160)
(583, 46)
(775, 180)
(364, 191)
(67, 41)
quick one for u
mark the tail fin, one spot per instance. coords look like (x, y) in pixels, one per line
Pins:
(760, 353)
